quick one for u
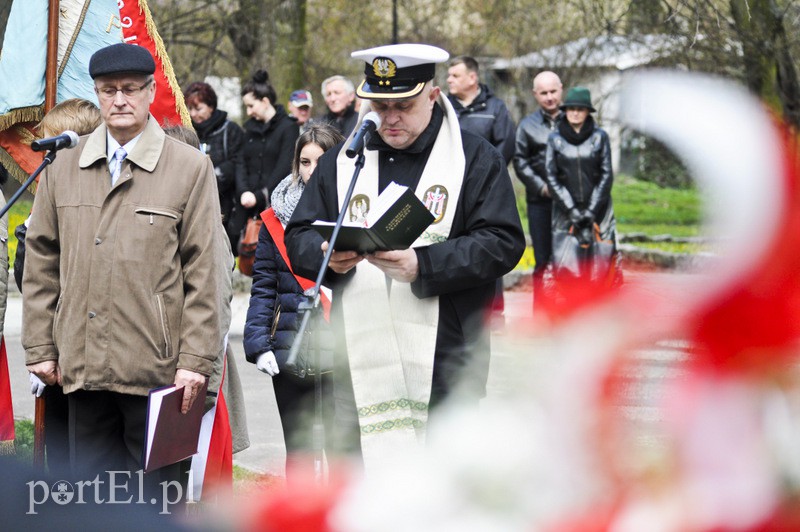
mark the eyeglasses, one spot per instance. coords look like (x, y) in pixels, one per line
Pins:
(129, 91)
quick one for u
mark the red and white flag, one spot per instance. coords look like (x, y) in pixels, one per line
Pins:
(84, 27)
(6, 408)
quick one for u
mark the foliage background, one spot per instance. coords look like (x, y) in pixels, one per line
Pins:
(301, 42)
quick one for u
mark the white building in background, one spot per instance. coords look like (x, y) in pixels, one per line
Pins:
(228, 97)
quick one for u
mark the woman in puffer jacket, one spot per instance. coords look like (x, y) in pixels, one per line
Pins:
(272, 317)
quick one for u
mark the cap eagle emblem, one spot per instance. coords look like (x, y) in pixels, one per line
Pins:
(385, 69)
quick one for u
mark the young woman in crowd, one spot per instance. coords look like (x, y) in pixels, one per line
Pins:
(269, 140)
(272, 317)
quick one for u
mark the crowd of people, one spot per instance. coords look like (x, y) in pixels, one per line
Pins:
(125, 263)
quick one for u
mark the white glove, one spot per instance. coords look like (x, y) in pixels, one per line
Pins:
(37, 386)
(266, 362)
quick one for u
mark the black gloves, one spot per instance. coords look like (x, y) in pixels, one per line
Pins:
(585, 235)
(583, 218)
(587, 218)
(575, 217)
(583, 225)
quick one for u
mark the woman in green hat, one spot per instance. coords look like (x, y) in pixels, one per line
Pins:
(579, 175)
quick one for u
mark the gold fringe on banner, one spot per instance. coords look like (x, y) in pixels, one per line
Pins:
(22, 114)
(161, 51)
(15, 170)
(7, 448)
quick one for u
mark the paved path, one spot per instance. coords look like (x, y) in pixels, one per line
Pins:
(267, 453)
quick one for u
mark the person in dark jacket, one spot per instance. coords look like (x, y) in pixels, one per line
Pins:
(266, 159)
(272, 317)
(409, 324)
(529, 164)
(579, 176)
(479, 110)
(340, 97)
(221, 139)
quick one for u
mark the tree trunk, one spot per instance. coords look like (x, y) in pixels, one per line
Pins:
(769, 70)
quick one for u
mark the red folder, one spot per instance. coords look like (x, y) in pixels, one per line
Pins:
(169, 435)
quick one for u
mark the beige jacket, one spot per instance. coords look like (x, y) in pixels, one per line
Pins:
(122, 285)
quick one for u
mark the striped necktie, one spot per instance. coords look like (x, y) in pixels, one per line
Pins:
(116, 164)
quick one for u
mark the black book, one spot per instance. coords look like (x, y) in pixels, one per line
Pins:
(395, 221)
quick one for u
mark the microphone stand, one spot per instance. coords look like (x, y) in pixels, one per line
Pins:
(49, 158)
(310, 306)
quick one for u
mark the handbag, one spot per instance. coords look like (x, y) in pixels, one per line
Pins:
(593, 260)
(567, 254)
(247, 245)
(602, 257)
(304, 365)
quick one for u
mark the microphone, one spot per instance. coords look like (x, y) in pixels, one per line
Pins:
(370, 123)
(68, 139)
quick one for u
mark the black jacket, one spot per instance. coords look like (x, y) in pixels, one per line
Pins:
(530, 152)
(266, 156)
(19, 259)
(487, 116)
(580, 176)
(486, 241)
(224, 140)
(344, 123)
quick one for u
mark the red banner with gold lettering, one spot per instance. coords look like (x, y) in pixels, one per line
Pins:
(139, 28)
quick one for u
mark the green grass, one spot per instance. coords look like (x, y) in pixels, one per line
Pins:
(16, 215)
(23, 440)
(641, 207)
(648, 208)
(675, 247)
(659, 229)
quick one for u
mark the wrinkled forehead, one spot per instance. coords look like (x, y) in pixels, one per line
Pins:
(336, 85)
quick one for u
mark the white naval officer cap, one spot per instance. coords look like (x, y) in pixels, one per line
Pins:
(398, 71)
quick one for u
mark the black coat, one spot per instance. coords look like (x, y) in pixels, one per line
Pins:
(266, 156)
(530, 152)
(344, 123)
(487, 116)
(580, 176)
(486, 242)
(224, 140)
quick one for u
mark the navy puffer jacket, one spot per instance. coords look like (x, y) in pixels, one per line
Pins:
(273, 282)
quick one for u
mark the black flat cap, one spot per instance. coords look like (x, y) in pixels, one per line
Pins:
(121, 58)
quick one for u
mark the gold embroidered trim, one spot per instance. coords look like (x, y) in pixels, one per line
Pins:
(161, 52)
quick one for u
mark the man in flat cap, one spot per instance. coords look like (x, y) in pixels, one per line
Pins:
(410, 322)
(121, 286)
